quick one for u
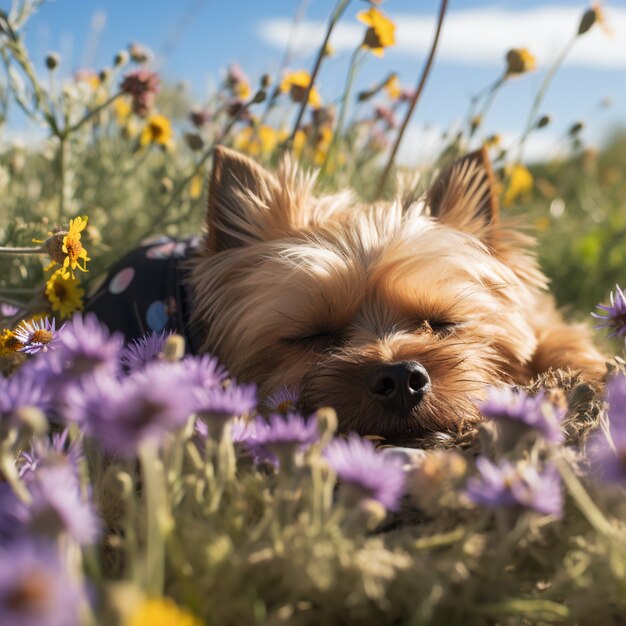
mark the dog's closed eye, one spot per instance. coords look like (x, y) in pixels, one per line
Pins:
(319, 340)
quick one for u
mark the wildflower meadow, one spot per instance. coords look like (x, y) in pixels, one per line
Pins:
(141, 485)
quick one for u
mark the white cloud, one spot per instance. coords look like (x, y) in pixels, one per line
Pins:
(477, 36)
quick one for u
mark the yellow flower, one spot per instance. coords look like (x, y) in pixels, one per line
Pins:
(9, 343)
(296, 84)
(393, 87)
(299, 143)
(381, 32)
(519, 61)
(492, 141)
(157, 130)
(195, 186)
(520, 182)
(123, 109)
(161, 612)
(73, 248)
(257, 141)
(322, 145)
(242, 90)
(64, 295)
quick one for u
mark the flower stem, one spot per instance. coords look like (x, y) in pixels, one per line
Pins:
(336, 16)
(541, 94)
(24, 250)
(158, 519)
(420, 87)
(342, 112)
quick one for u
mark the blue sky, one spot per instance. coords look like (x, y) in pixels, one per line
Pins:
(195, 39)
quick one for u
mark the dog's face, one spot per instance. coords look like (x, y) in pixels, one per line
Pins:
(398, 319)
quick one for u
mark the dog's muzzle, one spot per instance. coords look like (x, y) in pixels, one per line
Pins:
(399, 386)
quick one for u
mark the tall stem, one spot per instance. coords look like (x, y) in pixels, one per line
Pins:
(339, 9)
(420, 87)
(330, 155)
(541, 94)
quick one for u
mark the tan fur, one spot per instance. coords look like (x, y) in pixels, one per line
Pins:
(315, 291)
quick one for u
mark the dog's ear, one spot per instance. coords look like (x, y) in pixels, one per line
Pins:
(239, 194)
(465, 195)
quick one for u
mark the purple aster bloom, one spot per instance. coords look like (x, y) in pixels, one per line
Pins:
(56, 449)
(288, 430)
(122, 414)
(505, 485)
(366, 473)
(609, 457)
(37, 336)
(8, 310)
(84, 346)
(283, 400)
(203, 371)
(35, 587)
(56, 507)
(141, 351)
(613, 316)
(517, 408)
(19, 391)
(232, 401)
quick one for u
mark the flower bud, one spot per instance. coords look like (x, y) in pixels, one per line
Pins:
(259, 96)
(121, 58)
(543, 121)
(174, 348)
(139, 53)
(194, 141)
(575, 129)
(266, 81)
(104, 74)
(475, 122)
(327, 421)
(53, 61)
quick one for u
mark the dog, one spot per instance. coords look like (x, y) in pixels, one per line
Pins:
(399, 317)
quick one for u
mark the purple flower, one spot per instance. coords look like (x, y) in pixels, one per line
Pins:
(141, 351)
(22, 390)
(366, 473)
(609, 458)
(613, 316)
(35, 587)
(57, 506)
(37, 336)
(232, 401)
(84, 346)
(203, 371)
(142, 85)
(51, 451)
(517, 408)
(505, 485)
(122, 414)
(282, 401)
(200, 117)
(289, 430)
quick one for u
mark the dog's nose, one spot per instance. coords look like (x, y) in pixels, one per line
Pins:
(400, 386)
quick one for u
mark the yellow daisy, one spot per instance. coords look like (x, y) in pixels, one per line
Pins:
(122, 108)
(73, 248)
(296, 84)
(520, 182)
(520, 61)
(65, 295)
(161, 612)
(393, 87)
(257, 141)
(381, 32)
(157, 130)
